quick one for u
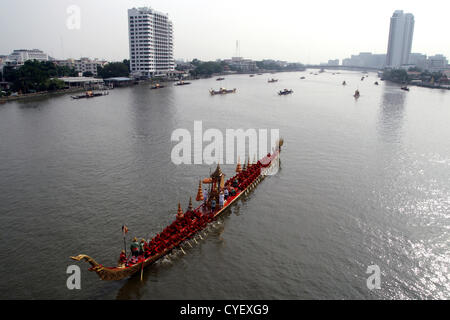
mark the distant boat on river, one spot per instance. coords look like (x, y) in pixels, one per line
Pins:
(90, 94)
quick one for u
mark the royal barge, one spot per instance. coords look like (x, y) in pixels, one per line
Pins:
(189, 225)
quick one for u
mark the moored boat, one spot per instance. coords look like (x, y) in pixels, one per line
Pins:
(405, 88)
(272, 80)
(182, 83)
(157, 86)
(221, 91)
(285, 92)
(90, 94)
(302, 78)
(357, 94)
(190, 224)
(220, 79)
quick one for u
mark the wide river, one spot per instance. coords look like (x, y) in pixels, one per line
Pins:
(362, 183)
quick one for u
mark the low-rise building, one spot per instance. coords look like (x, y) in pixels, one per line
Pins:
(82, 65)
(241, 64)
(365, 60)
(437, 63)
(418, 60)
(2, 63)
(334, 62)
(19, 57)
(82, 82)
(118, 82)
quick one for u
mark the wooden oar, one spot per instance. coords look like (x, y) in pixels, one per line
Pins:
(142, 270)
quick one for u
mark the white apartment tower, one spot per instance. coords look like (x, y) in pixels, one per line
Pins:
(400, 39)
(151, 42)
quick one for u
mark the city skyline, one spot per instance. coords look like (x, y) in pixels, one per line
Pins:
(289, 31)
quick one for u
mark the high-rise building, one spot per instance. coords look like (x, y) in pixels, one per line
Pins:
(400, 39)
(151, 42)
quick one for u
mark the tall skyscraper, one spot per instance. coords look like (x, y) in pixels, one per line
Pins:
(151, 42)
(400, 39)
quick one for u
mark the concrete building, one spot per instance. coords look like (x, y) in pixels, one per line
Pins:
(400, 39)
(18, 57)
(437, 63)
(151, 43)
(334, 62)
(82, 82)
(241, 64)
(365, 60)
(82, 65)
(418, 60)
(2, 63)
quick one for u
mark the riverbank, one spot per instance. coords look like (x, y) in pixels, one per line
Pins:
(431, 86)
(40, 94)
(423, 85)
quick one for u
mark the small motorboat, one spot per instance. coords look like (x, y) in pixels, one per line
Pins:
(220, 79)
(285, 92)
(221, 91)
(252, 75)
(344, 83)
(272, 80)
(362, 79)
(302, 78)
(357, 94)
(157, 86)
(405, 88)
(376, 83)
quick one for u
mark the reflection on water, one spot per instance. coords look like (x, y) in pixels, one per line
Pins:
(363, 182)
(391, 113)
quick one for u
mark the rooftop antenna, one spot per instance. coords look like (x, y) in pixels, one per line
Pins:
(62, 48)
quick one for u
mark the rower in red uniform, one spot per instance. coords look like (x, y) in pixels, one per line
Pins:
(122, 259)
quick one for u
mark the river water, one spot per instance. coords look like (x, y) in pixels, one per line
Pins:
(362, 182)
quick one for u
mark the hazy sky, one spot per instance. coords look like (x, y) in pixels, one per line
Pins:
(294, 30)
